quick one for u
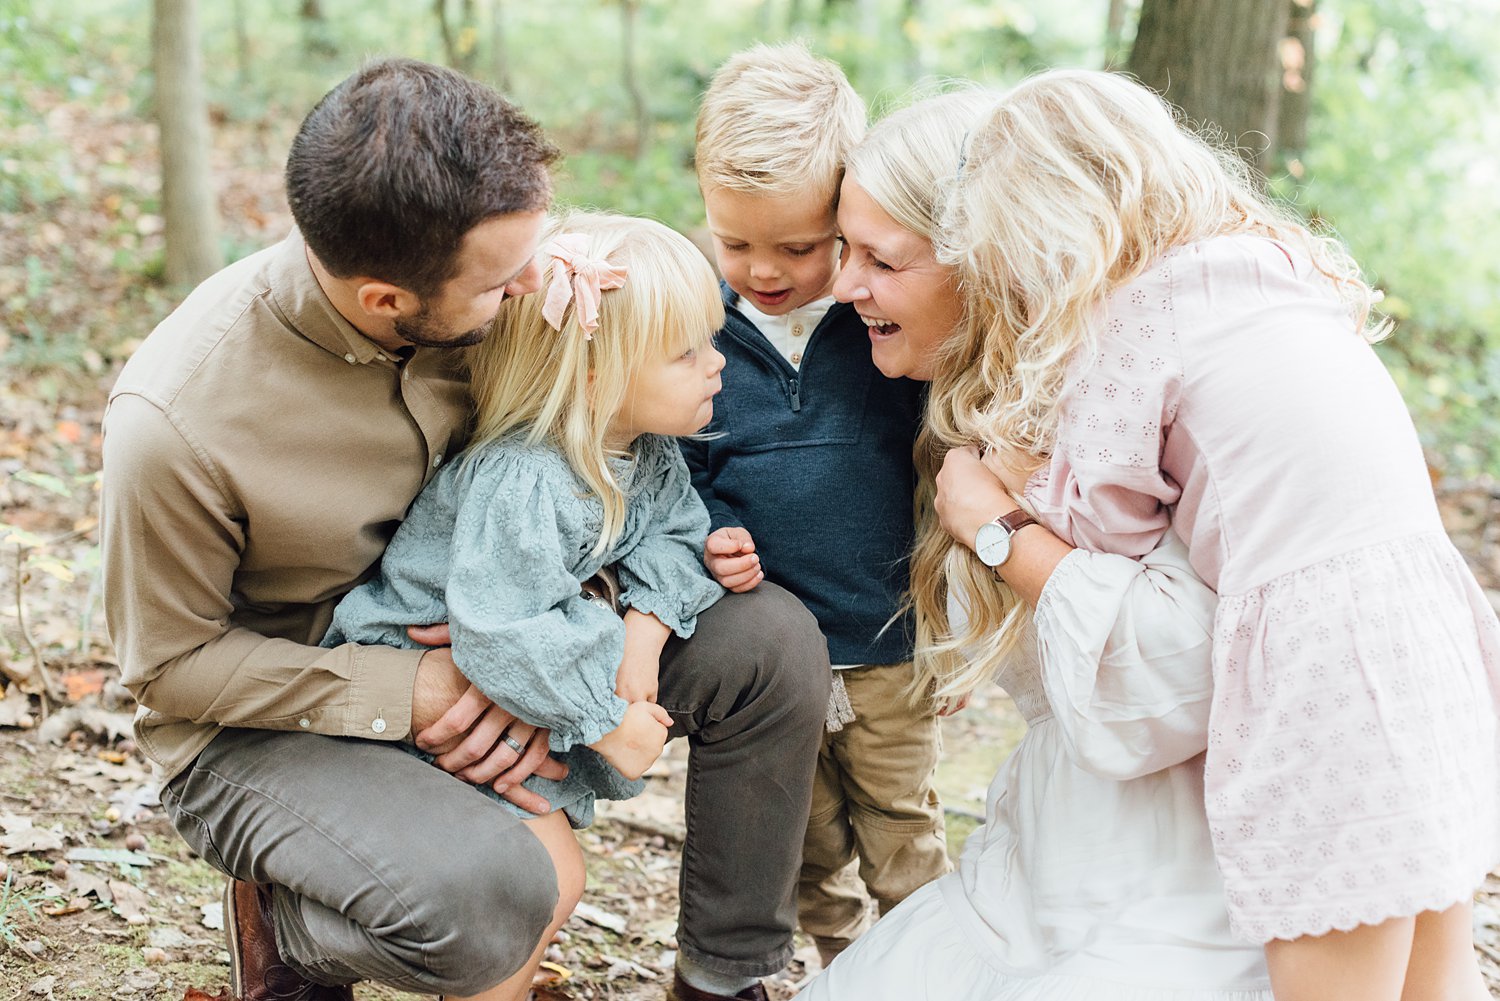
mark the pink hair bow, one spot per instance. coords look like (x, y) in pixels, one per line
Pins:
(576, 275)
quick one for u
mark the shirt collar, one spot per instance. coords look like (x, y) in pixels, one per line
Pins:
(811, 313)
(306, 307)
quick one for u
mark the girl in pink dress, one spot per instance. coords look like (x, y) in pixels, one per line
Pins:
(1151, 345)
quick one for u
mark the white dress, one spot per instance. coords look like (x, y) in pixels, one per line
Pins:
(1093, 877)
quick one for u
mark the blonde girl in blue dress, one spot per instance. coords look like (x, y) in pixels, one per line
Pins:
(573, 467)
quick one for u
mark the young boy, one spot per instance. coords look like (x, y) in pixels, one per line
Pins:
(807, 470)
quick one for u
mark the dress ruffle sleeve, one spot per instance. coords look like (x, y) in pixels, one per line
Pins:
(1125, 649)
(1103, 488)
(521, 631)
(663, 573)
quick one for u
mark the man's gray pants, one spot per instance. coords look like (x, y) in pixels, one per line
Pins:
(385, 868)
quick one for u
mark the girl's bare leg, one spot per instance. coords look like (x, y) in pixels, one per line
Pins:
(555, 834)
(1368, 963)
(1443, 966)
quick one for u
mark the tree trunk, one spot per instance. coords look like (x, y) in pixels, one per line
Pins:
(794, 16)
(629, 9)
(317, 39)
(187, 198)
(458, 42)
(1217, 60)
(911, 34)
(499, 57)
(241, 45)
(1296, 79)
(1114, 33)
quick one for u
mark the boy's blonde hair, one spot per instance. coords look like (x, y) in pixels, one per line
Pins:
(1075, 184)
(561, 388)
(777, 119)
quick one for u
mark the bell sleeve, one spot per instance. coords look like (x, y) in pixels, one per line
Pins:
(521, 631)
(663, 573)
(1124, 649)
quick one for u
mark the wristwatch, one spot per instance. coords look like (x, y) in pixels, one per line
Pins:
(992, 541)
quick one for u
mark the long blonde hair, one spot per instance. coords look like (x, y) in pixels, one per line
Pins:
(562, 389)
(906, 164)
(1072, 186)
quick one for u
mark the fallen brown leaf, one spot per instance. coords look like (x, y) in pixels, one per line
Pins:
(194, 994)
(130, 901)
(82, 683)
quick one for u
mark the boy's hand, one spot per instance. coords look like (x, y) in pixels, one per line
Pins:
(633, 745)
(730, 556)
(952, 707)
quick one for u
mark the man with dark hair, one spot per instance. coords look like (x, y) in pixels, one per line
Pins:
(260, 449)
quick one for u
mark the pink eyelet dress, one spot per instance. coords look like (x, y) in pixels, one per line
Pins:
(1353, 765)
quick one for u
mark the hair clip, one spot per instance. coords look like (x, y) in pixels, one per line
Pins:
(576, 275)
(963, 154)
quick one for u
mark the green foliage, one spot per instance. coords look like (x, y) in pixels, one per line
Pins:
(1403, 164)
(1401, 160)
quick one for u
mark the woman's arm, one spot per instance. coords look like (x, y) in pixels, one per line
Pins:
(969, 494)
(1123, 645)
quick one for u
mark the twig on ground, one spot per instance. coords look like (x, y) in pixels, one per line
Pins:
(36, 653)
(666, 832)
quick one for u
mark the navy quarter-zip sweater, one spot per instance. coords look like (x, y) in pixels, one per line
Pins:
(816, 463)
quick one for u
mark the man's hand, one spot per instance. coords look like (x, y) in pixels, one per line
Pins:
(730, 556)
(474, 739)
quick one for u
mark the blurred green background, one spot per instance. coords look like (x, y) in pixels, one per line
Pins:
(1402, 156)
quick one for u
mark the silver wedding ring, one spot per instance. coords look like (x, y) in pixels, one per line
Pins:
(513, 744)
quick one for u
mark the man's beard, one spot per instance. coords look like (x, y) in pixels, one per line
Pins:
(423, 331)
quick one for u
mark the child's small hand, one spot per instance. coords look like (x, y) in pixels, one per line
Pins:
(952, 707)
(633, 745)
(638, 677)
(640, 668)
(730, 556)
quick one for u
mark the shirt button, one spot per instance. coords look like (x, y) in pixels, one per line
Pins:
(437, 460)
(378, 725)
(797, 330)
(349, 359)
(304, 722)
(796, 357)
(382, 357)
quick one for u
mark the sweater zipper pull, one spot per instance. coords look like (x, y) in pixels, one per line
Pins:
(796, 398)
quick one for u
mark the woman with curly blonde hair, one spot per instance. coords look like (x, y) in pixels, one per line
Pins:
(1153, 348)
(1093, 876)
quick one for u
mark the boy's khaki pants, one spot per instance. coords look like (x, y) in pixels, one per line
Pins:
(874, 800)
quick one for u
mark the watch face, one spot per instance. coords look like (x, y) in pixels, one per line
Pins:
(992, 544)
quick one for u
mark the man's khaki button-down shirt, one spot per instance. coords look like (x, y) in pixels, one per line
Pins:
(259, 452)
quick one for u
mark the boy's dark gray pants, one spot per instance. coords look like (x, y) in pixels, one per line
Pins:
(385, 868)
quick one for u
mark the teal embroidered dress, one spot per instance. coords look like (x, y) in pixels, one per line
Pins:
(497, 545)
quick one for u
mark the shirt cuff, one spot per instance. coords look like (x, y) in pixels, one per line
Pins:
(380, 693)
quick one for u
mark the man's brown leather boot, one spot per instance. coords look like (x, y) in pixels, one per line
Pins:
(681, 990)
(256, 972)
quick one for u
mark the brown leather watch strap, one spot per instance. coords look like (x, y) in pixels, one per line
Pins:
(1016, 520)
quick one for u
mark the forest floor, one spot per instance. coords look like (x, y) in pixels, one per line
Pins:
(98, 897)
